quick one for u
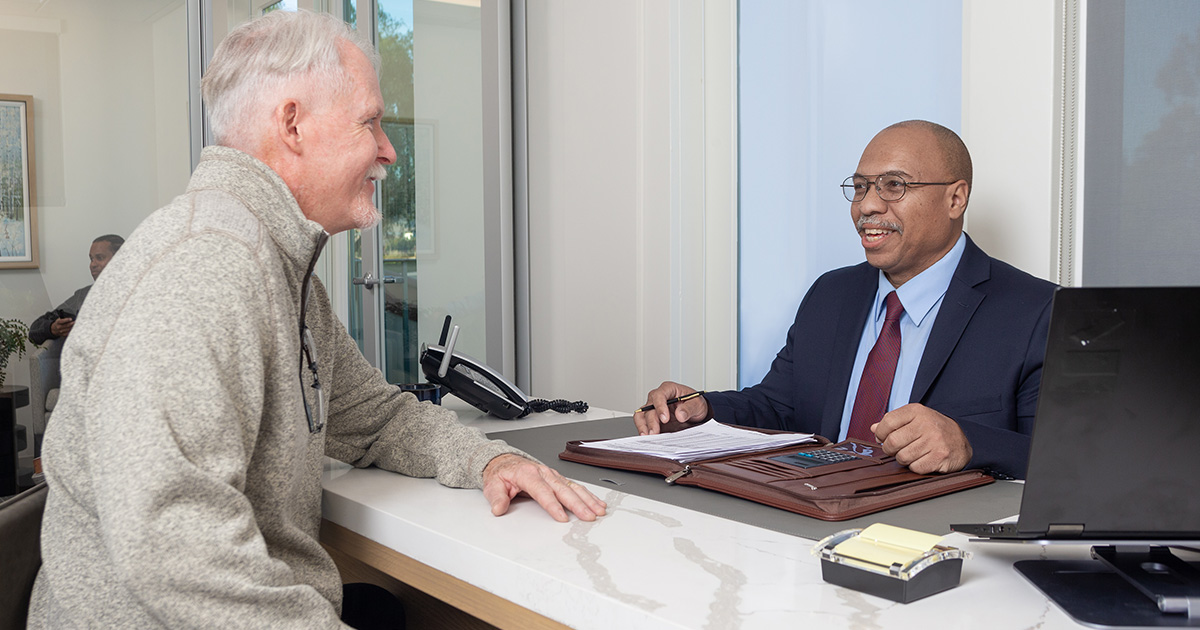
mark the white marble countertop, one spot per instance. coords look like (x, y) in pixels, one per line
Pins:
(652, 565)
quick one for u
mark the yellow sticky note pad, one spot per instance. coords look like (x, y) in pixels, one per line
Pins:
(885, 545)
(891, 562)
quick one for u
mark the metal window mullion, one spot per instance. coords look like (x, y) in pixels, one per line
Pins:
(523, 348)
(1070, 180)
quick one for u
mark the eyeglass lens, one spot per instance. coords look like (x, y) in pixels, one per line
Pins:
(890, 187)
(314, 412)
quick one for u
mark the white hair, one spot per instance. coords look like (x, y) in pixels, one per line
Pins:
(284, 54)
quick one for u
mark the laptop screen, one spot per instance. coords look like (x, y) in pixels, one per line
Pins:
(1116, 448)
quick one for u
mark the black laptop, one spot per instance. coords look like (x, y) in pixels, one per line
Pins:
(1115, 453)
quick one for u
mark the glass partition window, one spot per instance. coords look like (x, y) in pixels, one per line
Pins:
(428, 249)
(1142, 133)
(397, 233)
(282, 5)
(432, 198)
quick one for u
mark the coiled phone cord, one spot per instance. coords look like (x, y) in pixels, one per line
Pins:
(561, 406)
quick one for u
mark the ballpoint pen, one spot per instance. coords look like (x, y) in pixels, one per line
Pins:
(672, 401)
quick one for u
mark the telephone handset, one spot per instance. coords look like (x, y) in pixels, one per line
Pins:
(481, 386)
(471, 380)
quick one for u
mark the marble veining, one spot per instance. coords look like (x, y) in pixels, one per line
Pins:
(661, 519)
(723, 610)
(794, 548)
(1041, 620)
(589, 554)
(866, 609)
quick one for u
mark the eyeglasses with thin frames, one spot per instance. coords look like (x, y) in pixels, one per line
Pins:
(314, 412)
(889, 186)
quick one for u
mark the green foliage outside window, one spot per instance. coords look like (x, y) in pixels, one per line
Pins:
(399, 189)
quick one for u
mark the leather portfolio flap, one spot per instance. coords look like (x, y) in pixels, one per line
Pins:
(858, 479)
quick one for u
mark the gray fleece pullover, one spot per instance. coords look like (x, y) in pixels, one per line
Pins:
(185, 485)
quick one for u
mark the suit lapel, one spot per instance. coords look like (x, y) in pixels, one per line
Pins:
(961, 301)
(852, 316)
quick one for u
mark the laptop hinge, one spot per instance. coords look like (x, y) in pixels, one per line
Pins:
(1064, 531)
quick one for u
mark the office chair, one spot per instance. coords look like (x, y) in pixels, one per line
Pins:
(20, 554)
(44, 381)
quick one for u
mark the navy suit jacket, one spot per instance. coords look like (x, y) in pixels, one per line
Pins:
(982, 364)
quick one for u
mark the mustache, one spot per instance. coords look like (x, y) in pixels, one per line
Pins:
(865, 222)
(377, 172)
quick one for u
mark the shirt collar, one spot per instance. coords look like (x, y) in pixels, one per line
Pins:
(920, 294)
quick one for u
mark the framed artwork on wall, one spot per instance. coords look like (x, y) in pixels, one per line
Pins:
(18, 192)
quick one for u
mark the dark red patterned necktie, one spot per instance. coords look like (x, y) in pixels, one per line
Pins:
(875, 387)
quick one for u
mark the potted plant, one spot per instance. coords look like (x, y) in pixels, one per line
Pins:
(13, 334)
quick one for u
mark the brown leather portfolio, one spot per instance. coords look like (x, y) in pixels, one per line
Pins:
(831, 482)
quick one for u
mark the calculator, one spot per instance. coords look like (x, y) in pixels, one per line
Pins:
(818, 457)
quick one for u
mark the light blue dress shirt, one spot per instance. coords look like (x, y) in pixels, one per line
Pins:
(921, 297)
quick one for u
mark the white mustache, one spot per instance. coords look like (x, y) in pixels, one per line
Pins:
(868, 222)
(377, 172)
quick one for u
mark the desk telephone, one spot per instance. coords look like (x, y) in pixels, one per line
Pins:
(481, 386)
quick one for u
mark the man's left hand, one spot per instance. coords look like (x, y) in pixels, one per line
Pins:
(923, 439)
(508, 475)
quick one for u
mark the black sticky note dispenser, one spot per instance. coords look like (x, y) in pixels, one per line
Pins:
(890, 562)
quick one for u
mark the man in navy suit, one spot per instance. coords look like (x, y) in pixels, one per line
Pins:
(972, 329)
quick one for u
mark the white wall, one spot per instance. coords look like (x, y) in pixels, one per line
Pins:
(104, 157)
(23, 293)
(106, 154)
(171, 105)
(631, 186)
(598, 197)
(1009, 91)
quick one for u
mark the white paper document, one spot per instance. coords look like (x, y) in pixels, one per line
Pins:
(711, 439)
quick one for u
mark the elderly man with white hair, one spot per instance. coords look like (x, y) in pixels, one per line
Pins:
(209, 377)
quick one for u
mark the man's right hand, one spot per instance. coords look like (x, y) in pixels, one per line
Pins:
(62, 326)
(667, 418)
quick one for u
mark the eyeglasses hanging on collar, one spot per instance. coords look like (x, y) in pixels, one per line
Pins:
(315, 412)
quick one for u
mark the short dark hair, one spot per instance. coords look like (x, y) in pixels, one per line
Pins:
(114, 242)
